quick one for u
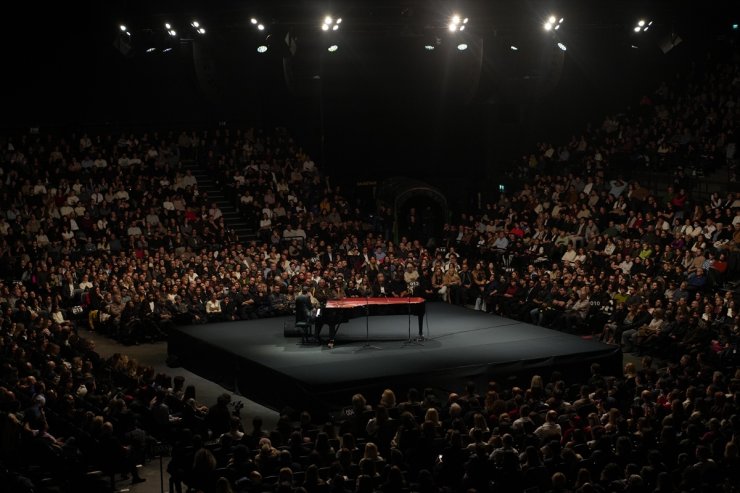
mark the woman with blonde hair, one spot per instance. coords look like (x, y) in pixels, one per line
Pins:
(479, 425)
(388, 399)
(432, 416)
(371, 452)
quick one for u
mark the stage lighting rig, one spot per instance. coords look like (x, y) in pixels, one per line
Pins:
(332, 48)
(553, 23)
(457, 23)
(169, 29)
(198, 27)
(642, 26)
(257, 24)
(331, 24)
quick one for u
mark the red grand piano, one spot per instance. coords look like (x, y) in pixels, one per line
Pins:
(337, 312)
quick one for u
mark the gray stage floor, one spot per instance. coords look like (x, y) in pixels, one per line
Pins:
(460, 345)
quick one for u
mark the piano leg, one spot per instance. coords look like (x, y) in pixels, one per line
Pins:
(421, 325)
(332, 333)
(318, 325)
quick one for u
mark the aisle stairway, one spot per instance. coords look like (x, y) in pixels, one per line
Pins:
(208, 184)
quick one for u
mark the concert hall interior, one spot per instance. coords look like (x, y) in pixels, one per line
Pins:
(371, 246)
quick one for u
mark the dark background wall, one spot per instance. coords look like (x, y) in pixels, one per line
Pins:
(379, 105)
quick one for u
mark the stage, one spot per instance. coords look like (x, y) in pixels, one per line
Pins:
(255, 359)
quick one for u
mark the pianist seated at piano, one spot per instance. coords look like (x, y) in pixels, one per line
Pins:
(305, 310)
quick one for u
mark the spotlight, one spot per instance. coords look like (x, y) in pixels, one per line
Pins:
(261, 49)
(333, 48)
(642, 25)
(553, 23)
(149, 50)
(201, 30)
(261, 27)
(167, 26)
(562, 46)
(195, 24)
(331, 23)
(457, 23)
(172, 32)
(429, 47)
(462, 47)
(166, 50)
(122, 28)
(253, 21)
(735, 27)
(514, 48)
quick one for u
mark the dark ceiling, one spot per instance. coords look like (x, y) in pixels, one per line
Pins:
(380, 89)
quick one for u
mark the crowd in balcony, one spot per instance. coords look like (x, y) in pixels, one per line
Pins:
(109, 232)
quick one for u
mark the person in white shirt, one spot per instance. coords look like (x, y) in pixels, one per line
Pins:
(214, 212)
(121, 194)
(39, 188)
(100, 163)
(41, 239)
(626, 264)
(569, 257)
(85, 284)
(550, 429)
(188, 180)
(134, 230)
(96, 197)
(213, 309)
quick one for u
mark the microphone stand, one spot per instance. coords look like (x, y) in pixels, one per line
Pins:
(410, 340)
(367, 344)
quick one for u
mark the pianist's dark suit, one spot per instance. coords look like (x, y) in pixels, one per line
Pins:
(303, 312)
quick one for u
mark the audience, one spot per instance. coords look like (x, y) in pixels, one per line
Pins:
(111, 233)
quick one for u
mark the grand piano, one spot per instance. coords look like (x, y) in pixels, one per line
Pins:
(339, 311)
